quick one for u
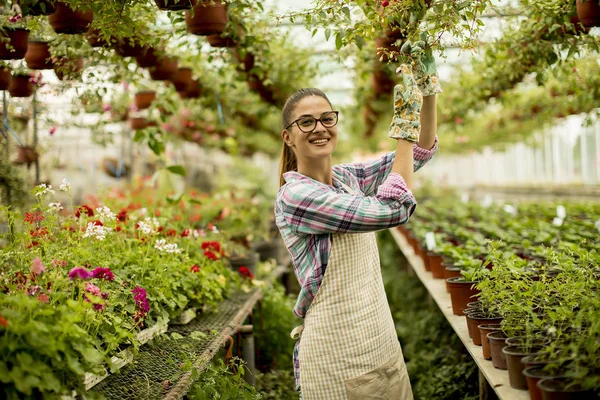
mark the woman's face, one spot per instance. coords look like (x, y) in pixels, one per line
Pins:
(321, 141)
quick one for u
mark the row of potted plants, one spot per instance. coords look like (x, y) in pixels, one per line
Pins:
(81, 284)
(527, 278)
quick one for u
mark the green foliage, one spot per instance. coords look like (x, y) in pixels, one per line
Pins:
(437, 364)
(220, 381)
(13, 185)
(277, 384)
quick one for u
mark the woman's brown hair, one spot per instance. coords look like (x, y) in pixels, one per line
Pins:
(288, 158)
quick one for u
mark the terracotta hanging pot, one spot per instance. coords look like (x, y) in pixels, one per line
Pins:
(193, 91)
(206, 18)
(65, 20)
(144, 99)
(147, 58)
(38, 55)
(68, 68)
(5, 78)
(20, 86)
(128, 48)
(95, 38)
(182, 79)
(219, 41)
(165, 69)
(589, 12)
(26, 155)
(13, 45)
(138, 123)
(175, 5)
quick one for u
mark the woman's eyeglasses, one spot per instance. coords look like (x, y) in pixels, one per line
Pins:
(308, 124)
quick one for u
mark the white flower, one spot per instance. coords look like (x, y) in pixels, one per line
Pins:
(44, 189)
(143, 211)
(146, 228)
(214, 229)
(65, 186)
(55, 207)
(106, 214)
(96, 231)
(551, 330)
(162, 245)
(153, 222)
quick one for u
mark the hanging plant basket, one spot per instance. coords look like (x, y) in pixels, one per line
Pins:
(147, 58)
(165, 69)
(193, 91)
(65, 20)
(20, 86)
(207, 18)
(14, 43)
(38, 55)
(589, 12)
(126, 48)
(26, 155)
(175, 5)
(139, 123)
(5, 78)
(144, 99)
(182, 79)
(219, 41)
(69, 68)
(95, 38)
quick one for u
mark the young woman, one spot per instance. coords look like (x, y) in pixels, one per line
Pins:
(347, 347)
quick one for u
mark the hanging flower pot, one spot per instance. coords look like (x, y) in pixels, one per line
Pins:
(5, 78)
(38, 55)
(144, 99)
(165, 69)
(13, 43)
(65, 20)
(68, 68)
(206, 18)
(26, 155)
(588, 12)
(20, 86)
(182, 79)
(127, 47)
(139, 123)
(219, 41)
(193, 91)
(95, 39)
(147, 58)
(174, 5)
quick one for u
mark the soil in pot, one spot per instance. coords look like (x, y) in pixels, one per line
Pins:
(20, 86)
(477, 318)
(5, 77)
(461, 293)
(515, 366)
(525, 340)
(38, 55)
(561, 388)
(174, 5)
(497, 341)
(206, 18)
(165, 69)
(144, 99)
(484, 329)
(65, 20)
(14, 43)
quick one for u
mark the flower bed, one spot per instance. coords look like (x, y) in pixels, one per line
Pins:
(536, 268)
(83, 290)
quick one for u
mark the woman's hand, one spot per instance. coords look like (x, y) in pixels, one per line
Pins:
(408, 101)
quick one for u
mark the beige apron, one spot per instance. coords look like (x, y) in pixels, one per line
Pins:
(349, 347)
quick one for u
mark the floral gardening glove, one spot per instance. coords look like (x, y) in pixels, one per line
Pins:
(408, 100)
(424, 67)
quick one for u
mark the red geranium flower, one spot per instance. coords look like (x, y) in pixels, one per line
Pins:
(122, 216)
(186, 232)
(171, 232)
(118, 229)
(214, 246)
(210, 255)
(84, 209)
(160, 229)
(97, 223)
(3, 321)
(245, 272)
(34, 217)
(33, 244)
(195, 268)
(39, 232)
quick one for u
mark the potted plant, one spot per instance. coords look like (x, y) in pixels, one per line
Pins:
(144, 98)
(207, 17)
(5, 75)
(588, 12)
(13, 36)
(182, 79)
(174, 5)
(20, 83)
(68, 67)
(69, 20)
(38, 55)
(13, 186)
(165, 69)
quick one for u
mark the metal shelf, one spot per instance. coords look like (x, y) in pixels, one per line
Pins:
(498, 379)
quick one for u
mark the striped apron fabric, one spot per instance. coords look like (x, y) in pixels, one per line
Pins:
(349, 347)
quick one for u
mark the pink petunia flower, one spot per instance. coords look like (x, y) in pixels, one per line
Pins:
(53, 130)
(37, 267)
(80, 273)
(92, 289)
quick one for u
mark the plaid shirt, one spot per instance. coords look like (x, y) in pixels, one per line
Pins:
(308, 212)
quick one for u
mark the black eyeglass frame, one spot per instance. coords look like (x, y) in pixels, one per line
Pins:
(317, 120)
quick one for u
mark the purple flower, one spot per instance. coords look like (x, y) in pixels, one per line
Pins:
(141, 299)
(80, 273)
(98, 306)
(105, 295)
(93, 289)
(103, 273)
